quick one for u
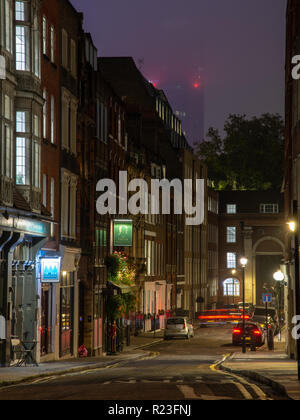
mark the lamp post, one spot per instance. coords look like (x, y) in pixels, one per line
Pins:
(278, 276)
(294, 229)
(243, 262)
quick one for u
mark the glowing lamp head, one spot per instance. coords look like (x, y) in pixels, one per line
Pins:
(278, 276)
(196, 85)
(292, 226)
(243, 261)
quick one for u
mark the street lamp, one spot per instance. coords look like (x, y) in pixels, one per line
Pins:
(243, 262)
(278, 276)
(294, 229)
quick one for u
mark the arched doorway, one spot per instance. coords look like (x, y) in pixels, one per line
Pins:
(268, 253)
(231, 290)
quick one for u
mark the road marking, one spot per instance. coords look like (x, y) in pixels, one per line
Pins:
(41, 380)
(214, 397)
(240, 382)
(153, 355)
(188, 392)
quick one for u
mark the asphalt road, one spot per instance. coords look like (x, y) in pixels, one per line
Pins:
(176, 370)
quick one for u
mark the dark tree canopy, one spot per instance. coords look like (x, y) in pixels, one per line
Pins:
(249, 157)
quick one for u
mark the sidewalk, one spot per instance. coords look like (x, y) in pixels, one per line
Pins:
(272, 368)
(136, 350)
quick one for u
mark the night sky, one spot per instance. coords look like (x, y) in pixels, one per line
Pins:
(234, 48)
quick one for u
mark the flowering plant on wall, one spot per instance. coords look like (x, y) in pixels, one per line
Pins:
(119, 270)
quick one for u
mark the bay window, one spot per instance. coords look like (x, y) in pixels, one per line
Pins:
(22, 48)
(22, 161)
(6, 25)
(22, 148)
(36, 165)
(6, 133)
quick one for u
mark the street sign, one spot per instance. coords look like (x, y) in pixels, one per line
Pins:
(267, 297)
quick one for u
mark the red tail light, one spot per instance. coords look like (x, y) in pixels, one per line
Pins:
(237, 331)
(256, 332)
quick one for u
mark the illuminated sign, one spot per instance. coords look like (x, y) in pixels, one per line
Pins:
(25, 225)
(50, 270)
(122, 233)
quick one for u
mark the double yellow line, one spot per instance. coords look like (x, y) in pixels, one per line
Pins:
(240, 382)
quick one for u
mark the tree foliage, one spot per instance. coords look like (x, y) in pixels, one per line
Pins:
(249, 156)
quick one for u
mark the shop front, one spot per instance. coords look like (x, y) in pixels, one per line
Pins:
(69, 302)
(20, 242)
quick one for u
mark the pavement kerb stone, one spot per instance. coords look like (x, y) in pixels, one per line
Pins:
(71, 370)
(257, 377)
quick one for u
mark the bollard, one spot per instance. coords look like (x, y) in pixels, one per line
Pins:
(253, 344)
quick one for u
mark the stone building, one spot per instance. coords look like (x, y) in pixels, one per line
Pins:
(24, 221)
(251, 225)
(291, 186)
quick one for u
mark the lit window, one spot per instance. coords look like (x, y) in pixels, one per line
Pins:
(21, 160)
(52, 118)
(231, 234)
(269, 208)
(231, 208)
(21, 46)
(231, 260)
(21, 121)
(20, 10)
(52, 44)
(44, 35)
(231, 287)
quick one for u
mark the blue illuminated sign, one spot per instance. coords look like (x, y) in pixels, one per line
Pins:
(50, 270)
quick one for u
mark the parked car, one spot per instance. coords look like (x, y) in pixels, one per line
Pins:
(260, 317)
(178, 327)
(253, 332)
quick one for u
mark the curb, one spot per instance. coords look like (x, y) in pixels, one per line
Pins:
(276, 386)
(96, 366)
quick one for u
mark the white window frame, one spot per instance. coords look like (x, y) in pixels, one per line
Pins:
(231, 260)
(269, 208)
(231, 208)
(231, 287)
(231, 234)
